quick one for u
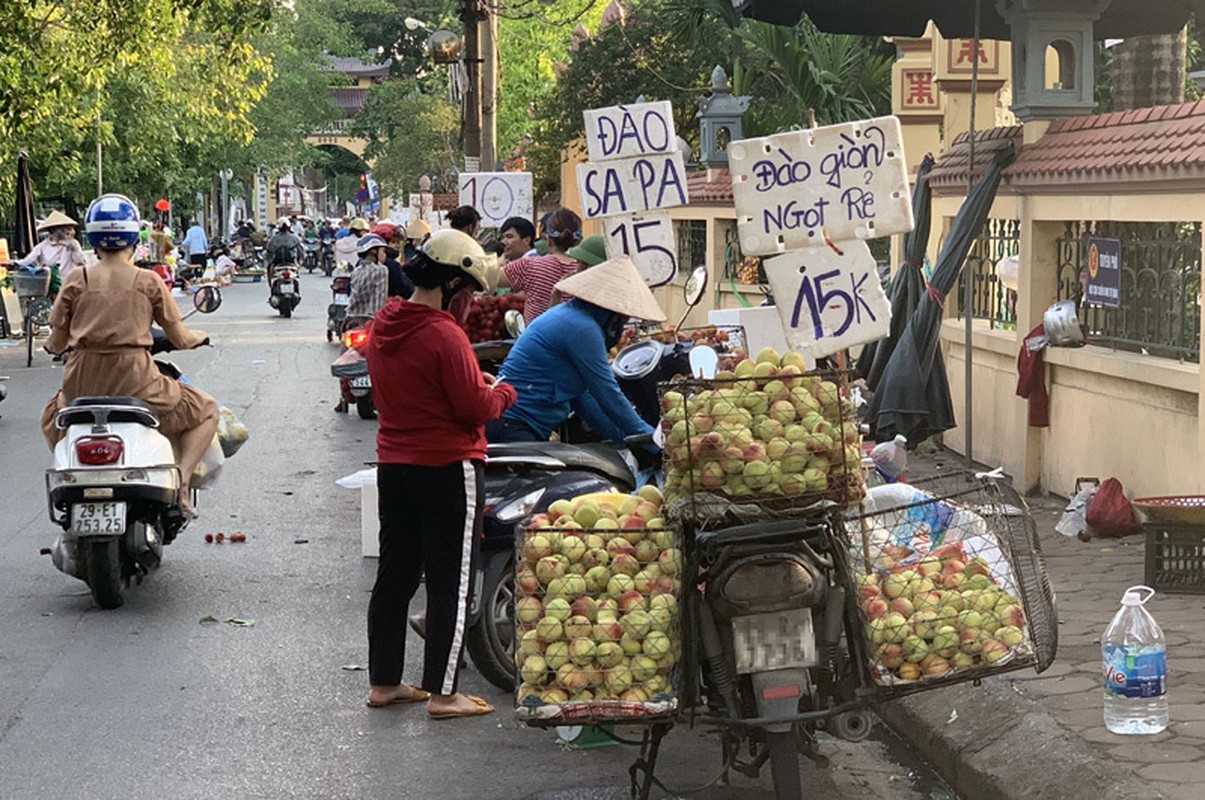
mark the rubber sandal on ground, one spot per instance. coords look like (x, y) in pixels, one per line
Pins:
(419, 696)
(482, 708)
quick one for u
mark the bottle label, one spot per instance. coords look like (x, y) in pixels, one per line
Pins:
(1135, 674)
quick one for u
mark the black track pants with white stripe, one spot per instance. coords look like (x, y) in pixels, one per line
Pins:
(430, 520)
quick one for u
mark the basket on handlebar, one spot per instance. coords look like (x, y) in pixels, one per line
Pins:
(773, 442)
(31, 284)
(597, 623)
(951, 584)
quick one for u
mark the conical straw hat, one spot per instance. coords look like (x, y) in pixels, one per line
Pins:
(616, 286)
(57, 219)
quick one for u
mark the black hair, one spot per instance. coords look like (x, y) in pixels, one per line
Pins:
(463, 218)
(493, 246)
(521, 225)
(563, 228)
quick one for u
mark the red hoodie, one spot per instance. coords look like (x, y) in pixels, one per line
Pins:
(431, 398)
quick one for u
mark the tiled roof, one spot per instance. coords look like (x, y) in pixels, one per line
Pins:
(349, 99)
(354, 66)
(950, 171)
(1164, 143)
(717, 191)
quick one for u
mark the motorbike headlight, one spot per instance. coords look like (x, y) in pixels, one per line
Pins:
(520, 507)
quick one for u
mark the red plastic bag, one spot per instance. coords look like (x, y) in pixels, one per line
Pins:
(1110, 512)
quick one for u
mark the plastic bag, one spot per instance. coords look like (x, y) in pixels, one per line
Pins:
(1110, 512)
(210, 469)
(358, 480)
(232, 433)
(1074, 521)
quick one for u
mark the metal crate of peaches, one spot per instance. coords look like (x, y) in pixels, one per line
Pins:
(597, 583)
(952, 585)
(765, 438)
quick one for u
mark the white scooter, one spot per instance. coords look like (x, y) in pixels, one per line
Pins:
(115, 486)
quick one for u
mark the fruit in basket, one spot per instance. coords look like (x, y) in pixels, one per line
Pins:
(556, 654)
(581, 650)
(924, 623)
(910, 671)
(902, 605)
(558, 608)
(585, 606)
(635, 695)
(596, 579)
(891, 656)
(608, 630)
(1011, 615)
(549, 629)
(534, 670)
(550, 567)
(625, 564)
(970, 641)
(608, 654)
(577, 627)
(573, 548)
(961, 660)
(636, 623)
(528, 610)
(994, 650)
(935, 666)
(530, 644)
(895, 628)
(1010, 635)
(875, 608)
(915, 648)
(619, 679)
(945, 642)
(554, 697)
(967, 619)
(642, 668)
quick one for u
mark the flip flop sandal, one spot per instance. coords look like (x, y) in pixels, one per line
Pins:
(482, 708)
(419, 696)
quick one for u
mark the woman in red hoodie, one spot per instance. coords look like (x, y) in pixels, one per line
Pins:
(433, 402)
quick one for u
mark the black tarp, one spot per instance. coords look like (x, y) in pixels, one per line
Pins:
(913, 397)
(956, 18)
(907, 285)
(26, 226)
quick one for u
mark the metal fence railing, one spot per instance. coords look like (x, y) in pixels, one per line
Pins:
(993, 302)
(692, 244)
(1160, 311)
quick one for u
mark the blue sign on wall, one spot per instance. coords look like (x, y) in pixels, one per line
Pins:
(1104, 272)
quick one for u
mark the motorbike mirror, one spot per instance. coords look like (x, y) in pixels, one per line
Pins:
(703, 362)
(696, 285)
(515, 324)
(207, 299)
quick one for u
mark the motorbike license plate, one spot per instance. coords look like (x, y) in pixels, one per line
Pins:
(342, 299)
(362, 382)
(781, 640)
(286, 288)
(98, 519)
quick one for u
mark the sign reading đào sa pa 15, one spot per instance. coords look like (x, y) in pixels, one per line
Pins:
(843, 182)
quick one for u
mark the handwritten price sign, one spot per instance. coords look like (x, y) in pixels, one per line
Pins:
(845, 181)
(648, 239)
(497, 196)
(828, 302)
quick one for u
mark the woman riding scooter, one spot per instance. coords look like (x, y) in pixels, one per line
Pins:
(560, 362)
(103, 315)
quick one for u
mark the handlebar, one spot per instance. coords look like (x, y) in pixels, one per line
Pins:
(636, 440)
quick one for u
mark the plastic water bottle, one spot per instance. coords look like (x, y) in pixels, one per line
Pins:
(1134, 656)
(891, 458)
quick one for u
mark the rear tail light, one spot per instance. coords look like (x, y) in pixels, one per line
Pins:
(286, 275)
(99, 451)
(355, 339)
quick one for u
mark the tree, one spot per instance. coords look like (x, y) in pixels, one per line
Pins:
(410, 134)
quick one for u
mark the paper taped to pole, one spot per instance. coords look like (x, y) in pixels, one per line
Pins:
(497, 196)
(846, 182)
(829, 301)
(648, 239)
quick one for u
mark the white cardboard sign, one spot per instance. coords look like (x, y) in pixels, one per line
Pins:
(826, 301)
(497, 196)
(638, 129)
(649, 240)
(847, 181)
(631, 185)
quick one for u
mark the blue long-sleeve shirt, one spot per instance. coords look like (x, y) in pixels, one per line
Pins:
(559, 363)
(195, 242)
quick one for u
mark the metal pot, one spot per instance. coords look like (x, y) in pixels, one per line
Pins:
(1062, 325)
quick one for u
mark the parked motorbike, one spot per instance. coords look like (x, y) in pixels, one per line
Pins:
(285, 291)
(336, 312)
(355, 384)
(115, 487)
(311, 254)
(326, 256)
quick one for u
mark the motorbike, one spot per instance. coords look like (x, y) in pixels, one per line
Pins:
(3, 388)
(115, 487)
(336, 312)
(285, 290)
(326, 256)
(355, 384)
(311, 254)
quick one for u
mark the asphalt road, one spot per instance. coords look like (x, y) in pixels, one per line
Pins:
(148, 702)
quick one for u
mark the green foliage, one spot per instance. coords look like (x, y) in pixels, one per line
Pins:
(410, 134)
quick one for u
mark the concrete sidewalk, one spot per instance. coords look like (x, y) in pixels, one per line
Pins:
(1024, 735)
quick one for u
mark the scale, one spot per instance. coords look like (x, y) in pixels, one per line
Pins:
(585, 737)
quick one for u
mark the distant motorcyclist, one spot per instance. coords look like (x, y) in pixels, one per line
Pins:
(370, 278)
(345, 248)
(284, 247)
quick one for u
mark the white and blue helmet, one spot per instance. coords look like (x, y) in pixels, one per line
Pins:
(112, 222)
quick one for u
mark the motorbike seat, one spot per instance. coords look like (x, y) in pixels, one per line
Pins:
(78, 411)
(602, 459)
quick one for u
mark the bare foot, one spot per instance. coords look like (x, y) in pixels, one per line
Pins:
(379, 696)
(448, 706)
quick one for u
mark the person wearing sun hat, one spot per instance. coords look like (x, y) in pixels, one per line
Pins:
(60, 251)
(560, 363)
(591, 252)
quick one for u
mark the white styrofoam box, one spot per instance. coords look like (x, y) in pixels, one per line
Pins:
(370, 523)
(763, 328)
(847, 181)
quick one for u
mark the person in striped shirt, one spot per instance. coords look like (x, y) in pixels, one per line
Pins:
(536, 276)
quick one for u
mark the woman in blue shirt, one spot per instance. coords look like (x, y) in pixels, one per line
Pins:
(560, 363)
